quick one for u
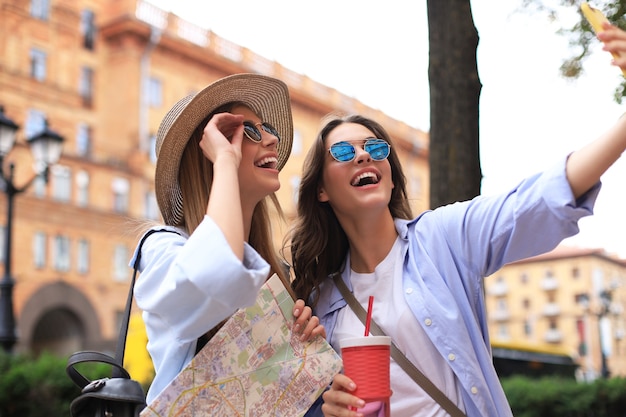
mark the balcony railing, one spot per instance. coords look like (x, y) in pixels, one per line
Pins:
(500, 315)
(551, 310)
(553, 336)
(549, 283)
(498, 289)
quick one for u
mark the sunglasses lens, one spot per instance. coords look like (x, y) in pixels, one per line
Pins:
(377, 148)
(271, 130)
(251, 132)
(343, 151)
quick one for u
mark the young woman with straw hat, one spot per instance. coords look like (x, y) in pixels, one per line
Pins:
(219, 153)
(355, 228)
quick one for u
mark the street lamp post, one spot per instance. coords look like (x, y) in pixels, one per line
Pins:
(604, 308)
(46, 149)
(605, 300)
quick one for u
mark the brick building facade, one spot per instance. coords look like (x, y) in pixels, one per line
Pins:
(103, 74)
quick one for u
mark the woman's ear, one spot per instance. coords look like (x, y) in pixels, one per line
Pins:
(322, 197)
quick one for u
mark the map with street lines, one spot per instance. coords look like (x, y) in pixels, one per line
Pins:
(253, 366)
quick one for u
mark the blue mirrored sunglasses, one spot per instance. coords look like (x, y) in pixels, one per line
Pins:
(252, 132)
(346, 152)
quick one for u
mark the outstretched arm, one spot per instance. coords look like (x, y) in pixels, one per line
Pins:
(586, 166)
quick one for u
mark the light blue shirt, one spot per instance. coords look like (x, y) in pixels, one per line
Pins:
(449, 252)
(186, 287)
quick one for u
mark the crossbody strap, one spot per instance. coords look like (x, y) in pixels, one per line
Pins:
(121, 341)
(411, 370)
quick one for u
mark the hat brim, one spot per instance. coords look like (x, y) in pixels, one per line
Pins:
(266, 96)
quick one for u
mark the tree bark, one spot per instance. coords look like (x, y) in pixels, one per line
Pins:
(455, 172)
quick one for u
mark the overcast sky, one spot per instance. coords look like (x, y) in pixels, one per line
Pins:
(377, 52)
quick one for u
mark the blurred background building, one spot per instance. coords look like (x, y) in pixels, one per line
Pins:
(102, 74)
(568, 303)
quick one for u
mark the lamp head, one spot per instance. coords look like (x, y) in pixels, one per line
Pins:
(46, 147)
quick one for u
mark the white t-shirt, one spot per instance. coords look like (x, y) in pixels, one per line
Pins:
(392, 314)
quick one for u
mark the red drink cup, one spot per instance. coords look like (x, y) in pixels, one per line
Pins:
(366, 362)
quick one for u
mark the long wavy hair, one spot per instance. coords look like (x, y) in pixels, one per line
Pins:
(319, 244)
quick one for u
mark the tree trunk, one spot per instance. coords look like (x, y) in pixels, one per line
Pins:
(455, 173)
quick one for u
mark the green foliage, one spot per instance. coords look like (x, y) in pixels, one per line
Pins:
(548, 397)
(580, 35)
(39, 387)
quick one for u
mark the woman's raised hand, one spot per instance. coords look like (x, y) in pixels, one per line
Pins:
(222, 136)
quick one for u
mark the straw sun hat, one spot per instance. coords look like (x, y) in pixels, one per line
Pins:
(266, 96)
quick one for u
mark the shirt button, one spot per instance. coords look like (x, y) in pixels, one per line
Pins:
(451, 356)
(474, 390)
(428, 322)
(409, 290)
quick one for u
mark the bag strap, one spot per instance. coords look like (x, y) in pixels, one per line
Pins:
(116, 362)
(88, 356)
(121, 341)
(408, 367)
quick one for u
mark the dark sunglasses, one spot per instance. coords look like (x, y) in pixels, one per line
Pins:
(346, 152)
(253, 133)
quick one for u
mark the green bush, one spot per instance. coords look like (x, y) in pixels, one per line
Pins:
(39, 387)
(549, 397)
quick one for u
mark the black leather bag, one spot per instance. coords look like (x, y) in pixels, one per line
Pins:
(118, 396)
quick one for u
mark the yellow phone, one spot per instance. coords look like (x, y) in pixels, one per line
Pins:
(596, 18)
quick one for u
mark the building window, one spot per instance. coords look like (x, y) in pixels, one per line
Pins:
(503, 331)
(526, 303)
(39, 249)
(61, 183)
(39, 187)
(88, 29)
(152, 208)
(40, 9)
(296, 147)
(582, 337)
(295, 188)
(61, 253)
(575, 272)
(82, 188)
(553, 324)
(35, 123)
(120, 263)
(155, 92)
(83, 140)
(120, 188)
(528, 328)
(582, 299)
(415, 185)
(85, 86)
(38, 64)
(152, 150)
(82, 256)
(523, 278)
